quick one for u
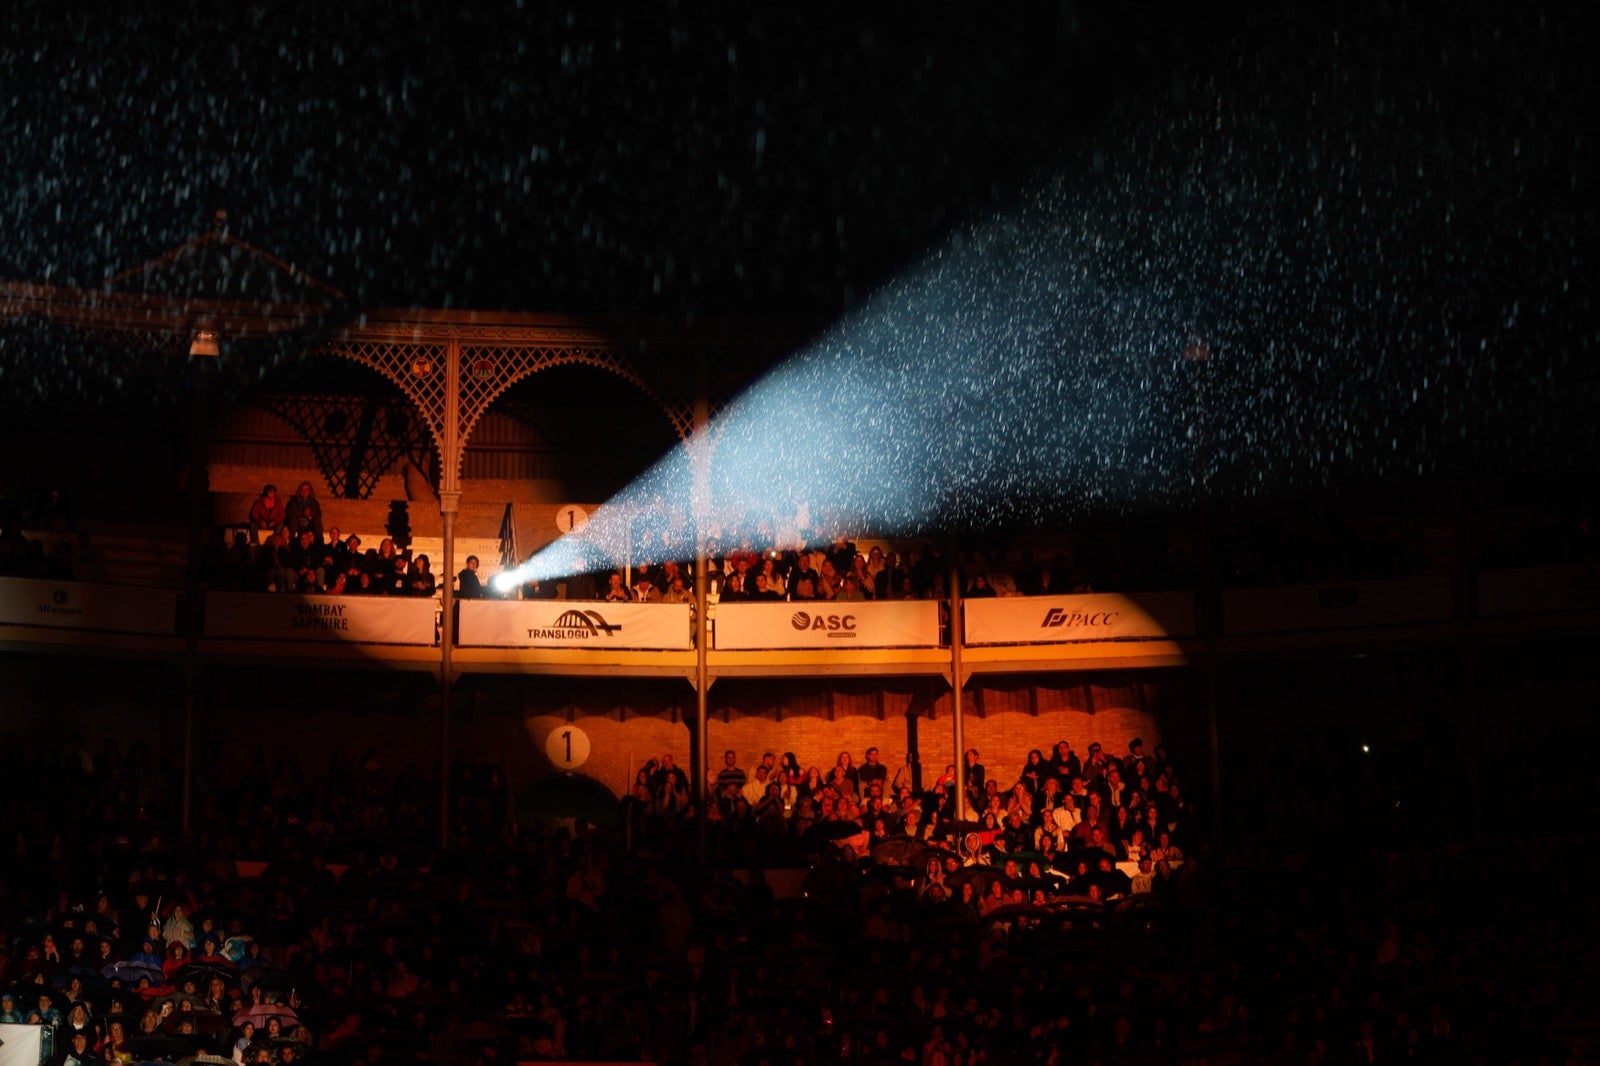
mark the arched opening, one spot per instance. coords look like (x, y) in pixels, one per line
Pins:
(592, 431)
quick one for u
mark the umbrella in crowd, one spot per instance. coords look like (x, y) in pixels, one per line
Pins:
(129, 973)
(905, 851)
(260, 1012)
(88, 977)
(205, 1022)
(979, 876)
(28, 993)
(155, 1046)
(201, 974)
(269, 979)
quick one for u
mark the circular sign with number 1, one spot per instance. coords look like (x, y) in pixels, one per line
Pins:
(567, 747)
(570, 518)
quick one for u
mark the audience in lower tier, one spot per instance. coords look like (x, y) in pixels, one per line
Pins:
(309, 915)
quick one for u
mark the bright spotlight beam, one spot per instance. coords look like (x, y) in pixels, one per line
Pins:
(1040, 364)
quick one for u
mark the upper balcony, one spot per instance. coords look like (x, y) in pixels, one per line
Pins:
(1004, 635)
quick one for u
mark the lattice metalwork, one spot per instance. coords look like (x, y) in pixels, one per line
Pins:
(136, 340)
(488, 360)
(356, 439)
(486, 373)
(417, 369)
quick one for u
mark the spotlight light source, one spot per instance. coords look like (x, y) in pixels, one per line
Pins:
(504, 581)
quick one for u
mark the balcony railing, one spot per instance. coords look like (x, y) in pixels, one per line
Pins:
(1022, 633)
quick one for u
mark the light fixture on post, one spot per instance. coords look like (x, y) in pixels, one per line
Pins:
(204, 343)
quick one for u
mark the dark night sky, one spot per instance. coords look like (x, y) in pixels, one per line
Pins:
(566, 157)
(1379, 208)
(550, 156)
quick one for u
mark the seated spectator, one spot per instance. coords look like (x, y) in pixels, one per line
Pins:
(616, 591)
(872, 772)
(267, 514)
(384, 566)
(275, 569)
(420, 580)
(644, 589)
(979, 588)
(303, 513)
(306, 556)
(733, 590)
(467, 583)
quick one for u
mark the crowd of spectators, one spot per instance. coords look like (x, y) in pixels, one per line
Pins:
(359, 941)
(1095, 827)
(286, 549)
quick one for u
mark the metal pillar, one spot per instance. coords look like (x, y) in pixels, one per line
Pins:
(700, 452)
(449, 504)
(957, 682)
(199, 489)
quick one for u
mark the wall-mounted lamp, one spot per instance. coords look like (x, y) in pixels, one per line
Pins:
(205, 343)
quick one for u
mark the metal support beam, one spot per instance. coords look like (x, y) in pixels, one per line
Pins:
(700, 452)
(957, 682)
(449, 505)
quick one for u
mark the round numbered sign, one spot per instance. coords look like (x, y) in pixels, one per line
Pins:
(570, 518)
(567, 747)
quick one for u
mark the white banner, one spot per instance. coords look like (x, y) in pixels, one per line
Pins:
(828, 624)
(1539, 590)
(69, 605)
(573, 624)
(19, 1044)
(1357, 605)
(1067, 619)
(343, 619)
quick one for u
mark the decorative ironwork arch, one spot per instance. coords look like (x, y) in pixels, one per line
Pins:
(486, 359)
(356, 439)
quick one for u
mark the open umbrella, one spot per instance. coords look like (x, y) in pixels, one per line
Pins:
(129, 973)
(977, 875)
(905, 851)
(27, 995)
(201, 974)
(260, 1012)
(270, 979)
(160, 1046)
(827, 832)
(205, 1023)
(88, 976)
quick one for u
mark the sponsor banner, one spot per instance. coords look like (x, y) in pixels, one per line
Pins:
(1069, 619)
(336, 619)
(1354, 605)
(20, 1045)
(1539, 590)
(574, 624)
(70, 605)
(827, 624)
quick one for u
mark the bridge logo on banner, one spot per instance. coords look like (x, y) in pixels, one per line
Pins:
(575, 625)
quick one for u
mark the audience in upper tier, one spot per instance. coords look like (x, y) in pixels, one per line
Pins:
(1251, 550)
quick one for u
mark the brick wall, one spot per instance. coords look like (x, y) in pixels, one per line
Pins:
(1001, 724)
